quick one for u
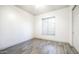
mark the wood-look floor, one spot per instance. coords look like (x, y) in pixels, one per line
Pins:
(39, 46)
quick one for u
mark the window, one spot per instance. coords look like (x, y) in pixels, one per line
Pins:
(48, 25)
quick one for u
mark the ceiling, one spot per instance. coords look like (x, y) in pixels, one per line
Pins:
(42, 9)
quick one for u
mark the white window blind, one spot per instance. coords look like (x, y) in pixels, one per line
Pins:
(48, 26)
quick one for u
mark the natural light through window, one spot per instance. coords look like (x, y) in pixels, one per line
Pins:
(48, 26)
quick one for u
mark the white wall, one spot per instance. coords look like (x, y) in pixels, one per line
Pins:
(70, 25)
(63, 25)
(16, 26)
(76, 28)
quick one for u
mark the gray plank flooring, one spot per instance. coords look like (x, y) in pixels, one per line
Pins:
(39, 46)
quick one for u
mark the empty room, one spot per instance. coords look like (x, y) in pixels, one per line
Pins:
(39, 29)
